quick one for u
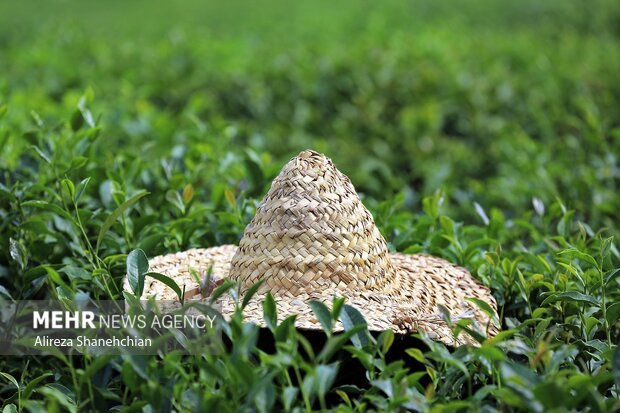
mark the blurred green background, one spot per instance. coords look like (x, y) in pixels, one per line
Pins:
(483, 132)
(492, 102)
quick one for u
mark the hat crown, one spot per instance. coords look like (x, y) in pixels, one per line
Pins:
(311, 232)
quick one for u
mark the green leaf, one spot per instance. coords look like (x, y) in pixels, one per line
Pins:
(385, 340)
(606, 244)
(138, 365)
(77, 162)
(55, 277)
(431, 204)
(33, 383)
(69, 188)
(188, 193)
(81, 188)
(491, 353)
(254, 168)
(616, 366)
(501, 336)
(484, 306)
(166, 280)
(610, 276)
(265, 397)
(463, 325)
(175, 199)
(285, 328)
(251, 292)
(336, 342)
(591, 322)
(51, 208)
(518, 374)
(137, 267)
(60, 394)
(416, 354)
(230, 197)
(447, 224)
(11, 379)
(445, 314)
(9, 408)
(325, 376)
(43, 155)
(5, 292)
(351, 318)
(337, 307)
(86, 114)
(114, 216)
(322, 314)
(222, 289)
(612, 313)
(77, 120)
(481, 213)
(96, 364)
(385, 386)
(364, 357)
(18, 253)
(571, 296)
(289, 394)
(270, 312)
(576, 254)
(345, 397)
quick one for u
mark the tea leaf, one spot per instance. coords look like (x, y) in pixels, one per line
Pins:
(115, 215)
(322, 314)
(570, 296)
(166, 280)
(137, 266)
(351, 318)
(616, 366)
(270, 312)
(251, 292)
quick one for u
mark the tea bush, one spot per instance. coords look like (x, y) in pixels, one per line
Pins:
(485, 133)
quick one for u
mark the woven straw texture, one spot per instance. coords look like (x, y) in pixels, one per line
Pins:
(312, 238)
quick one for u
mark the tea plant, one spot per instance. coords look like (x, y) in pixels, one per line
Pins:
(485, 134)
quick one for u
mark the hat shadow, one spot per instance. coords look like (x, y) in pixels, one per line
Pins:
(351, 372)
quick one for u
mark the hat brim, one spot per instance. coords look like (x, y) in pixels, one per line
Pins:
(424, 283)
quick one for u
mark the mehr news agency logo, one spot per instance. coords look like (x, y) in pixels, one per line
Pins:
(89, 320)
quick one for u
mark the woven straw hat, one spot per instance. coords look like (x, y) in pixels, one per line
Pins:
(312, 238)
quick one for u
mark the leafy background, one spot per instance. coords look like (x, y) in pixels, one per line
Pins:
(483, 132)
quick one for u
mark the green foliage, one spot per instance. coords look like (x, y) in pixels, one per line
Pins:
(485, 134)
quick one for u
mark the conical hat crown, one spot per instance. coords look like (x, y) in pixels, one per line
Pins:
(311, 233)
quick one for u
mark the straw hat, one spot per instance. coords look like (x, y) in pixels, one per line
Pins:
(312, 238)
